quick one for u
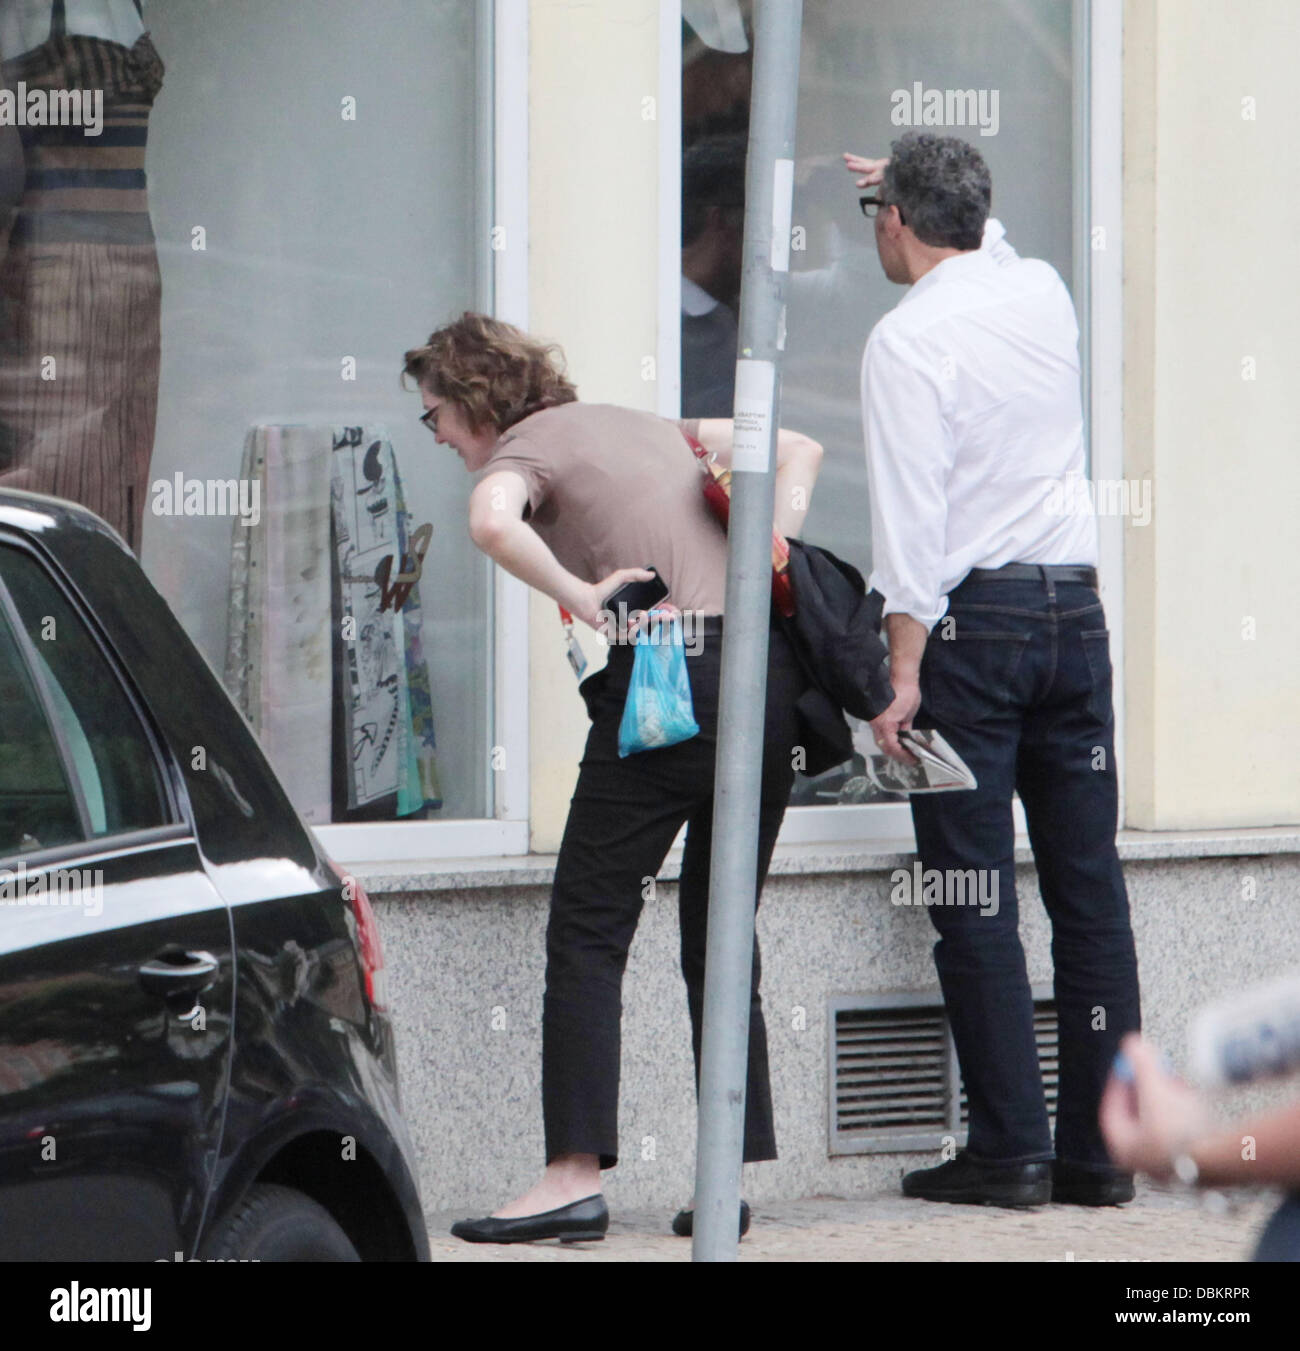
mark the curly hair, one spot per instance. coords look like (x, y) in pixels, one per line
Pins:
(493, 372)
(943, 188)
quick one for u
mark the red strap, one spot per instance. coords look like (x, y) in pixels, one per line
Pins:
(717, 492)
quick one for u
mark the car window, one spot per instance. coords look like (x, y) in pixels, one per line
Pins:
(37, 808)
(106, 748)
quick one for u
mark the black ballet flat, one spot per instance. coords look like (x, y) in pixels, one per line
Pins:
(579, 1222)
(684, 1222)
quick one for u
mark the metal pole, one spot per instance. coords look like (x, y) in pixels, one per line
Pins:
(769, 182)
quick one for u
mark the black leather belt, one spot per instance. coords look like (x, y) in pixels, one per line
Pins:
(1035, 572)
(694, 622)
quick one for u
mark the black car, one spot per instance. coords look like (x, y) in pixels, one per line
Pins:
(195, 1057)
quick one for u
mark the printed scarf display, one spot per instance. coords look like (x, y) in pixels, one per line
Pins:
(279, 659)
(386, 697)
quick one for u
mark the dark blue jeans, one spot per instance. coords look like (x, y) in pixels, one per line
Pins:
(1280, 1240)
(1020, 683)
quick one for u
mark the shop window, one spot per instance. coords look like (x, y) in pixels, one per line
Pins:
(1004, 77)
(211, 262)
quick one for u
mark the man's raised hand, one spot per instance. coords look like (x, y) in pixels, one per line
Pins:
(872, 170)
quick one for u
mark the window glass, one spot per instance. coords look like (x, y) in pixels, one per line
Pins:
(37, 809)
(1003, 76)
(109, 751)
(206, 302)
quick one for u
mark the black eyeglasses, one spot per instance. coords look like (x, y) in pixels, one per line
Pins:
(870, 204)
(430, 420)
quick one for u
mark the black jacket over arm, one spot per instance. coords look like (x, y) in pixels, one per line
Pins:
(836, 632)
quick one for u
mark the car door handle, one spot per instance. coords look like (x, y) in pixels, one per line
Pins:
(174, 972)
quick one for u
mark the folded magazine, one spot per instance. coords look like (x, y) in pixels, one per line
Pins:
(941, 769)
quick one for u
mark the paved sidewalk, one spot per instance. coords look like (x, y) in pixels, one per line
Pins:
(1163, 1224)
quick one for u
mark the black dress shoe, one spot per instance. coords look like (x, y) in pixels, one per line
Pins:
(967, 1181)
(684, 1222)
(578, 1222)
(1076, 1185)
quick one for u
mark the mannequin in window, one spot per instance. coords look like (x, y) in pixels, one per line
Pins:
(25, 24)
(80, 289)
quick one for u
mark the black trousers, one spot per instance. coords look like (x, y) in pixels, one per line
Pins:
(624, 816)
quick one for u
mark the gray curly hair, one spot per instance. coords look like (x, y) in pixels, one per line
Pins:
(942, 186)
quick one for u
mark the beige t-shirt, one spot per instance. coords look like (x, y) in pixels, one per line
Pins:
(612, 487)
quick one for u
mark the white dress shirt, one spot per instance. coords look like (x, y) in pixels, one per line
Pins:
(995, 241)
(973, 421)
(695, 299)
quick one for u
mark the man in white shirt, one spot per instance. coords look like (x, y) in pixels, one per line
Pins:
(973, 422)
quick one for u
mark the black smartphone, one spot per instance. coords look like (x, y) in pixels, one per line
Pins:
(636, 595)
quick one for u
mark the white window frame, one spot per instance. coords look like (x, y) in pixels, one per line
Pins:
(502, 206)
(1098, 144)
(1103, 22)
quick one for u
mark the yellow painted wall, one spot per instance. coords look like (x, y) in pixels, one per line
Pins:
(593, 281)
(1212, 281)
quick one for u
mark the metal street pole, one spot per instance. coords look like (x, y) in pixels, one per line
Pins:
(769, 184)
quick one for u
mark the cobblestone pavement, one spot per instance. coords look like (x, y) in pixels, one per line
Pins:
(1162, 1224)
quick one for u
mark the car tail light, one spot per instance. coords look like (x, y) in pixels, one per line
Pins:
(372, 950)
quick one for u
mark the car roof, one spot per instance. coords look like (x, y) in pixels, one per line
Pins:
(50, 517)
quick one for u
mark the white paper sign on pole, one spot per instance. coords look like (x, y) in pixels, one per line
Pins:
(782, 213)
(751, 443)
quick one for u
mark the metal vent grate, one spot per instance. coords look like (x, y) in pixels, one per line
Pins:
(894, 1083)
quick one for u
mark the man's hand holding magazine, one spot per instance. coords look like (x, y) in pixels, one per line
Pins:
(906, 638)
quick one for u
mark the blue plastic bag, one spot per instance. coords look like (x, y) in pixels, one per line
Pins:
(658, 710)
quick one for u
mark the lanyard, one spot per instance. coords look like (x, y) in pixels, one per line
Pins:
(573, 649)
